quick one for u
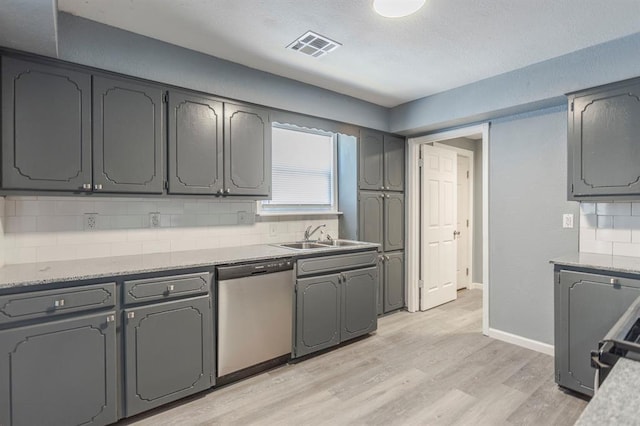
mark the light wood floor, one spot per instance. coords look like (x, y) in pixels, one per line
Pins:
(431, 368)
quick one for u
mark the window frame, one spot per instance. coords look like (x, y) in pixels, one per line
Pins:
(266, 209)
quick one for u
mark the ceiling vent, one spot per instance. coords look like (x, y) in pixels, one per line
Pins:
(312, 44)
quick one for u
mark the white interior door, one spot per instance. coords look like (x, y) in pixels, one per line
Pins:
(438, 244)
(463, 218)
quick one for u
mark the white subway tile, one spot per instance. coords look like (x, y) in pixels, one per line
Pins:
(192, 207)
(208, 220)
(141, 207)
(59, 252)
(605, 222)
(149, 247)
(15, 255)
(9, 207)
(128, 221)
(142, 235)
(601, 247)
(585, 234)
(228, 219)
(614, 209)
(126, 248)
(21, 224)
(35, 239)
(59, 223)
(626, 249)
(173, 207)
(27, 208)
(613, 235)
(635, 209)
(89, 251)
(183, 220)
(626, 222)
(588, 208)
(110, 207)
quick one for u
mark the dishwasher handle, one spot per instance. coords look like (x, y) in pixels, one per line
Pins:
(254, 268)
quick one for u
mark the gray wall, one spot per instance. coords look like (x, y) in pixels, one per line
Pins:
(90, 43)
(29, 25)
(527, 197)
(476, 147)
(534, 87)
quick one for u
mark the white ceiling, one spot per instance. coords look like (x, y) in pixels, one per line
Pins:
(447, 44)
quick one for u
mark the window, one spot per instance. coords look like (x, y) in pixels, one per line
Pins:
(303, 171)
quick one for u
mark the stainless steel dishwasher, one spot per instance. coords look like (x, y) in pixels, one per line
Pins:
(255, 317)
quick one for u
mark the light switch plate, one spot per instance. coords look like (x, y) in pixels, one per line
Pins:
(567, 220)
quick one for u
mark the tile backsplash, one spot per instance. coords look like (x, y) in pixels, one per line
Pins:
(41, 229)
(610, 228)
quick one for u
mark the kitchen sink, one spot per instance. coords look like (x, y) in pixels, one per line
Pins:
(340, 243)
(303, 245)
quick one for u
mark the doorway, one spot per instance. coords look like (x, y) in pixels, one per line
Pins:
(421, 281)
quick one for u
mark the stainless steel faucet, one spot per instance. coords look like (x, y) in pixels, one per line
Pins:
(308, 233)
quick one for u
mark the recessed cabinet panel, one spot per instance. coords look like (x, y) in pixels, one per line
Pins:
(371, 212)
(371, 161)
(359, 314)
(247, 144)
(127, 136)
(168, 353)
(393, 163)
(604, 141)
(393, 221)
(318, 314)
(46, 127)
(59, 373)
(393, 281)
(195, 144)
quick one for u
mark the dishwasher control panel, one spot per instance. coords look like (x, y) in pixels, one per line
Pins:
(254, 268)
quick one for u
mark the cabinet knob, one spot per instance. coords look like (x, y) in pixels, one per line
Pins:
(381, 195)
(170, 288)
(86, 186)
(131, 315)
(227, 191)
(382, 188)
(111, 318)
(97, 186)
(386, 258)
(614, 281)
(58, 303)
(220, 191)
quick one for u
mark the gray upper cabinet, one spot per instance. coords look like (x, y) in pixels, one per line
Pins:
(586, 307)
(393, 163)
(318, 313)
(168, 352)
(604, 141)
(247, 145)
(196, 150)
(46, 127)
(382, 219)
(381, 162)
(59, 373)
(371, 161)
(359, 310)
(127, 136)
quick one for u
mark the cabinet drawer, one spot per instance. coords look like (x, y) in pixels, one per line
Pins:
(163, 288)
(37, 304)
(340, 262)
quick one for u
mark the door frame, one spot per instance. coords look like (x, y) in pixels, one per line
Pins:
(413, 213)
(470, 155)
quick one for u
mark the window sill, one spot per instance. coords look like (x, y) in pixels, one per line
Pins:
(298, 213)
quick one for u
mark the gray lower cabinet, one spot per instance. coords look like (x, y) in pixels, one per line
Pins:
(46, 127)
(127, 136)
(196, 150)
(59, 373)
(168, 352)
(604, 129)
(381, 219)
(318, 313)
(247, 146)
(393, 281)
(587, 305)
(359, 294)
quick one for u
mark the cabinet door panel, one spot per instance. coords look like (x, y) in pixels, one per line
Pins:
(371, 216)
(381, 281)
(371, 160)
(604, 141)
(587, 306)
(195, 144)
(359, 294)
(393, 221)
(46, 127)
(247, 144)
(393, 163)
(394, 282)
(168, 352)
(127, 136)
(317, 314)
(59, 373)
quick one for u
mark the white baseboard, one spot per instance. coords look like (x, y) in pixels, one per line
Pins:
(475, 286)
(522, 341)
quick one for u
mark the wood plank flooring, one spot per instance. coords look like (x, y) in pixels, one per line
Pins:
(430, 368)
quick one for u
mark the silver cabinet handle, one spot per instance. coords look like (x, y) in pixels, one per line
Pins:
(170, 287)
(58, 303)
(97, 186)
(614, 281)
(386, 258)
(227, 191)
(86, 186)
(111, 318)
(131, 315)
(220, 191)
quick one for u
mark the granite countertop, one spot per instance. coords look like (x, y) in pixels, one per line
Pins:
(600, 261)
(33, 274)
(617, 401)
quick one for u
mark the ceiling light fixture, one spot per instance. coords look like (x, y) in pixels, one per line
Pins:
(397, 8)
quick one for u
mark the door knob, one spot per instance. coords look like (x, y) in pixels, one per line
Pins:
(456, 234)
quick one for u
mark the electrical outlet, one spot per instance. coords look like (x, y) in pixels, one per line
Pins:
(567, 220)
(154, 220)
(90, 221)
